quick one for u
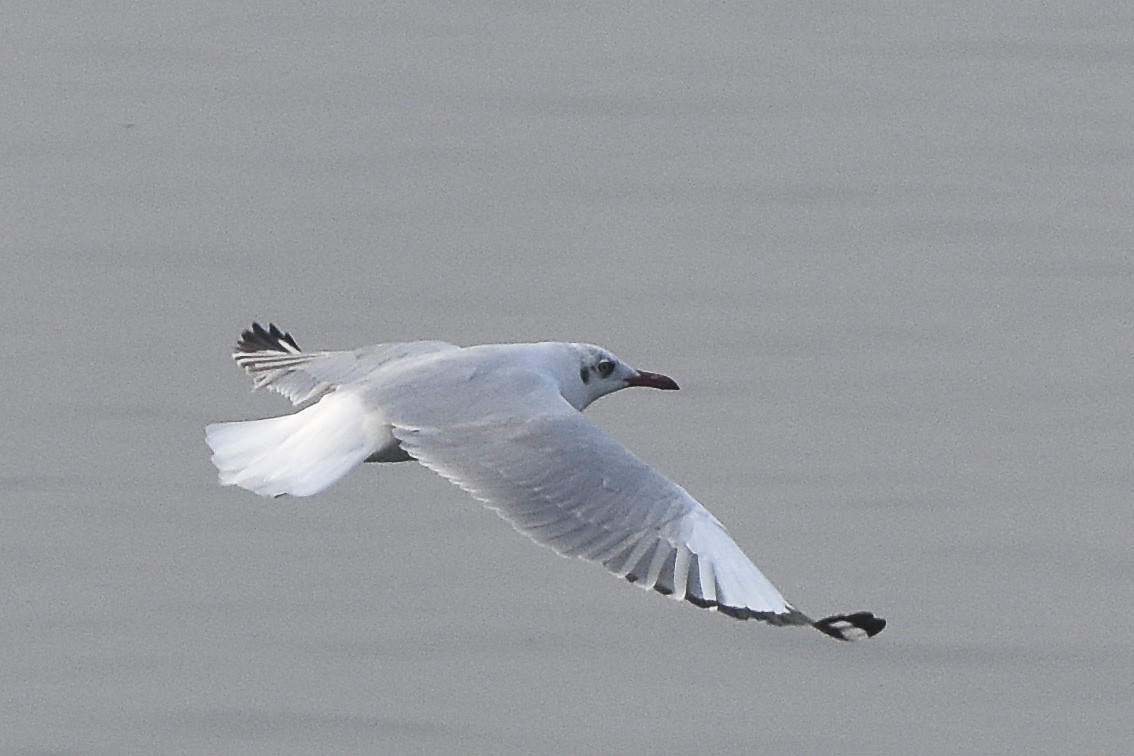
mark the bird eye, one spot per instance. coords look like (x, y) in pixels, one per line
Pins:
(604, 368)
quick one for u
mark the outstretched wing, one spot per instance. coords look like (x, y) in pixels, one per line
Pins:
(563, 481)
(275, 361)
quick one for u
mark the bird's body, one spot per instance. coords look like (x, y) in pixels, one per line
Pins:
(504, 422)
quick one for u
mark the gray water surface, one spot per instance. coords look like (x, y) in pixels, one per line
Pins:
(884, 249)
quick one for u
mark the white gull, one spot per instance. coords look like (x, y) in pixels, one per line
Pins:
(504, 422)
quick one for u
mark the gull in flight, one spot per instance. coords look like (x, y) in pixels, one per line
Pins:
(504, 422)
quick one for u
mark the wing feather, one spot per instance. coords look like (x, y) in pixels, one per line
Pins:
(275, 361)
(567, 484)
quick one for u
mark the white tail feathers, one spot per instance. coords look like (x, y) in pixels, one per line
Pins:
(300, 454)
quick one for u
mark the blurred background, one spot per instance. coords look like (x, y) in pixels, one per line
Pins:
(885, 250)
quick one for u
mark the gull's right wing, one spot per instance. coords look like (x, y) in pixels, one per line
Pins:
(275, 361)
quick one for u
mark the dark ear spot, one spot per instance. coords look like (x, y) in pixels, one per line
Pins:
(585, 375)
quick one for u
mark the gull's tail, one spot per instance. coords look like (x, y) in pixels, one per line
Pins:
(851, 627)
(300, 454)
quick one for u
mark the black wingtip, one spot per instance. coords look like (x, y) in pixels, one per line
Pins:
(851, 627)
(271, 339)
